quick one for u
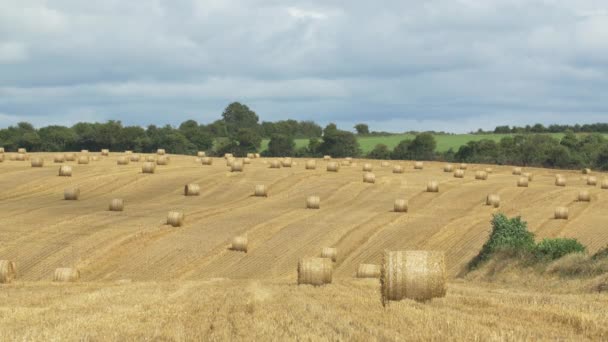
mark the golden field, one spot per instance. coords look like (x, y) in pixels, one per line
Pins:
(144, 280)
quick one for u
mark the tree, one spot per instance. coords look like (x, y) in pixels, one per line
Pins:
(281, 145)
(238, 116)
(196, 135)
(249, 141)
(423, 147)
(337, 143)
(362, 129)
(401, 151)
(380, 151)
(56, 138)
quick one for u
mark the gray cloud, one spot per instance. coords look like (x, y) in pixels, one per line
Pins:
(398, 65)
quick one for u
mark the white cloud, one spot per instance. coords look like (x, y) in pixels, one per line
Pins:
(12, 52)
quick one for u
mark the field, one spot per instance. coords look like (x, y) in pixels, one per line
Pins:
(142, 279)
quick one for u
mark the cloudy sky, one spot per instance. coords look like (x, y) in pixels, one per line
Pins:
(453, 65)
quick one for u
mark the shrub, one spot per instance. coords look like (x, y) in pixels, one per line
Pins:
(552, 249)
(509, 235)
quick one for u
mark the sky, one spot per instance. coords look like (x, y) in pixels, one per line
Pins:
(398, 65)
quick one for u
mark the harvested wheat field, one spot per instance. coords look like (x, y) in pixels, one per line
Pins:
(143, 279)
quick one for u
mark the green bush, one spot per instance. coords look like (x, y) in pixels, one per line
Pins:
(552, 249)
(508, 235)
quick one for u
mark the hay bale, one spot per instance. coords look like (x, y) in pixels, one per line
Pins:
(459, 173)
(123, 160)
(58, 158)
(84, 151)
(418, 165)
(257, 155)
(481, 175)
(448, 168)
(246, 161)
(517, 171)
(311, 164)
(239, 243)
(83, 160)
(560, 181)
(105, 152)
(286, 162)
(400, 206)
(493, 200)
(70, 157)
(201, 154)
(8, 271)
(522, 182)
(162, 160)
(586, 171)
(489, 170)
(175, 219)
(66, 275)
(327, 158)
(71, 193)
(228, 155)
(117, 204)
(134, 157)
(275, 164)
(260, 191)
(313, 202)
(250, 155)
(463, 166)
(20, 157)
(314, 271)
(192, 189)
(148, 167)
(529, 175)
(229, 161)
(369, 177)
(592, 181)
(384, 164)
(333, 166)
(237, 166)
(330, 253)
(151, 159)
(432, 186)
(207, 161)
(368, 271)
(21, 150)
(65, 171)
(161, 151)
(37, 162)
(584, 196)
(1, 149)
(94, 158)
(345, 163)
(128, 152)
(367, 167)
(417, 275)
(561, 213)
(398, 169)
(604, 184)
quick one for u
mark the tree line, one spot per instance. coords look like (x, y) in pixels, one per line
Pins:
(239, 131)
(540, 128)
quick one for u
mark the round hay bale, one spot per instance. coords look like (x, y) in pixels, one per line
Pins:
(592, 181)
(148, 167)
(349, 159)
(58, 158)
(237, 166)
(459, 173)
(275, 164)
(367, 167)
(368, 271)
(517, 171)
(8, 271)
(286, 162)
(584, 196)
(561, 213)
(384, 164)
(175, 219)
(522, 182)
(529, 175)
(257, 155)
(83, 160)
(117, 204)
(481, 175)
(311, 164)
(239, 243)
(229, 161)
(345, 163)
(333, 166)
(604, 184)
(432, 186)
(151, 159)
(161, 151)
(330, 253)
(417, 275)
(207, 161)
(1, 149)
(489, 170)
(228, 155)
(201, 154)
(66, 275)
(400, 206)
(37, 162)
(418, 165)
(314, 271)
(327, 158)
(20, 157)
(128, 152)
(162, 160)
(94, 158)
(560, 181)
(448, 168)
(493, 200)
(369, 177)
(192, 190)
(260, 191)
(84, 151)
(21, 150)
(134, 157)
(71, 193)
(65, 171)
(463, 166)
(586, 171)
(105, 152)
(313, 202)
(250, 155)
(70, 157)
(398, 169)
(123, 160)
(246, 161)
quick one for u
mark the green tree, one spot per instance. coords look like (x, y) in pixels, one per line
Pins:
(57, 138)
(423, 147)
(401, 151)
(380, 151)
(249, 141)
(281, 145)
(196, 134)
(337, 143)
(362, 128)
(238, 116)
